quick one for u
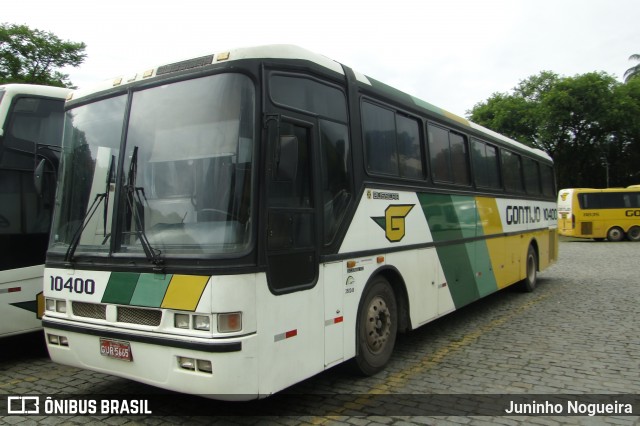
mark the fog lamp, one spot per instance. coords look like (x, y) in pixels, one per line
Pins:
(204, 366)
(187, 363)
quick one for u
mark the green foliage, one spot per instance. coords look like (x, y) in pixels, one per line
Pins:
(633, 72)
(589, 124)
(34, 56)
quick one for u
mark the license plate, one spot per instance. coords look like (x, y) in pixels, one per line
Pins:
(116, 349)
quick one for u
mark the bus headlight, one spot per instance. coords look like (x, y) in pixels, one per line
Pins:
(56, 305)
(50, 305)
(202, 322)
(230, 322)
(181, 320)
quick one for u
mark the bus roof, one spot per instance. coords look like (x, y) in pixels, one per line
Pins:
(34, 89)
(633, 188)
(285, 51)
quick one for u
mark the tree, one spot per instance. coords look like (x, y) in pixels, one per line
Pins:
(34, 56)
(587, 123)
(634, 71)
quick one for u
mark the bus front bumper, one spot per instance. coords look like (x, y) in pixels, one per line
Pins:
(220, 369)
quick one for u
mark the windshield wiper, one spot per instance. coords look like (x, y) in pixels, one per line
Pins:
(133, 201)
(75, 241)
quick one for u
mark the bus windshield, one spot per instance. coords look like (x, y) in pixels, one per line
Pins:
(175, 181)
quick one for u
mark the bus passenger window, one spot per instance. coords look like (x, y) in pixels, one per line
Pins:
(531, 176)
(486, 169)
(380, 139)
(449, 156)
(336, 175)
(512, 171)
(409, 147)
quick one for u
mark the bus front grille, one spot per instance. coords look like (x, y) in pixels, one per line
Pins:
(89, 310)
(139, 316)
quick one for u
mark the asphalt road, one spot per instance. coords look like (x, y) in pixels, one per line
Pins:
(573, 344)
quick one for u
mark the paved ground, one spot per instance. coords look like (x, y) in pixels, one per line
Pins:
(577, 334)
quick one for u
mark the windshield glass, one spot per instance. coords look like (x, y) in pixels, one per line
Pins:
(185, 187)
(90, 149)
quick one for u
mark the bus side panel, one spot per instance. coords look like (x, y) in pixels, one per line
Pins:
(290, 333)
(19, 289)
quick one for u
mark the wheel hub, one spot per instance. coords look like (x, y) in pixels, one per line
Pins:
(378, 326)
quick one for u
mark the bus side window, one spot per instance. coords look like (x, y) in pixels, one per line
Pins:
(449, 156)
(486, 168)
(336, 175)
(512, 171)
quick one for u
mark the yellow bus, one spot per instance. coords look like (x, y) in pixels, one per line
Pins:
(611, 213)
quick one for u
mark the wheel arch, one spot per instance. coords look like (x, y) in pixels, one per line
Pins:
(395, 279)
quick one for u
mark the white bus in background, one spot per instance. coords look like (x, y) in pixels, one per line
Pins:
(31, 117)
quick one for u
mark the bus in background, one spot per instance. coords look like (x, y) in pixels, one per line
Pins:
(612, 213)
(31, 120)
(233, 224)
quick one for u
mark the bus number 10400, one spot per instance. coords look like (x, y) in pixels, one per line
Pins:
(73, 285)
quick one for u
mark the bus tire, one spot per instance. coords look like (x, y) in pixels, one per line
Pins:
(633, 234)
(376, 327)
(615, 234)
(530, 280)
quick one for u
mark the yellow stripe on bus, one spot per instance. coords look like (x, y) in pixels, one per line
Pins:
(497, 247)
(184, 292)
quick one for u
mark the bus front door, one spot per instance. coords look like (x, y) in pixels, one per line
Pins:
(292, 256)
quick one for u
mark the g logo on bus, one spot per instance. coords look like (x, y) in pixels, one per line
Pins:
(393, 221)
(563, 195)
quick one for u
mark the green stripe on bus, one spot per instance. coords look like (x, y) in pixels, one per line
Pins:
(120, 288)
(466, 266)
(150, 290)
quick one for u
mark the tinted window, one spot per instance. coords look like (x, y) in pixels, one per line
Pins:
(609, 200)
(336, 175)
(512, 171)
(380, 139)
(449, 156)
(309, 95)
(35, 120)
(459, 156)
(548, 186)
(409, 147)
(531, 176)
(439, 153)
(486, 168)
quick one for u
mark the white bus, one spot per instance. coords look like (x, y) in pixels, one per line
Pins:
(31, 118)
(233, 224)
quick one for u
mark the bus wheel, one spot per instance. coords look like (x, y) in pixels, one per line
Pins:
(528, 284)
(615, 234)
(377, 326)
(634, 233)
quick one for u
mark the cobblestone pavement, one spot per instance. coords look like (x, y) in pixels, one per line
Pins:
(578, 333)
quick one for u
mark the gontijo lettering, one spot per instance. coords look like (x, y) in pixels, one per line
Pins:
(517, 215)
